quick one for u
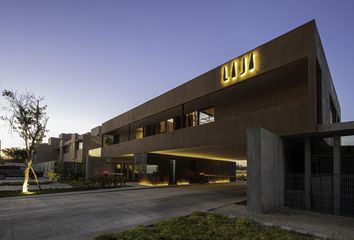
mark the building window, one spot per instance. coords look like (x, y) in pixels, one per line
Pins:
(334, 118)
(116, 139)
(139, 133)
(108, 139)
(192, 119)
(152, 169)
(162, 126)
(80, 145)
(206, 115)
(66, 149)
(169, 125)
(200, 117)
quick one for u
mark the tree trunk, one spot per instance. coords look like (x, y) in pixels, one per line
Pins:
(26, 177)
(35, 177)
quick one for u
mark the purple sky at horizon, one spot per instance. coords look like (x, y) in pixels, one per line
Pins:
(93, 60)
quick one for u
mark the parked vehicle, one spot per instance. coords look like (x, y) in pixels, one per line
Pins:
(15, 171)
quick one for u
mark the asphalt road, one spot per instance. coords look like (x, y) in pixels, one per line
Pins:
(83, 216)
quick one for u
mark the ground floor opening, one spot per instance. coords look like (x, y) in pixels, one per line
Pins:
(165, 169)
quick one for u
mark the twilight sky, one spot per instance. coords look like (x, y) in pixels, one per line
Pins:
(93, 60)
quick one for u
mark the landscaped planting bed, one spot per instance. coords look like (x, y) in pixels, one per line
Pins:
(204, 226)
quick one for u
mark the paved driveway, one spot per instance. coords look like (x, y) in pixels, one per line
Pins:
(83, 216)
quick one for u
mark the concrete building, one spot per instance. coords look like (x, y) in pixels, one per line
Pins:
(274, 106)
(68, 147)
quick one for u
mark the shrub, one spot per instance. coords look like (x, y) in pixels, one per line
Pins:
(69, 170)
(241, 177)
(55, 177)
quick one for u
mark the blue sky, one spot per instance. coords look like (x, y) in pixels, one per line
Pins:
(93, 60)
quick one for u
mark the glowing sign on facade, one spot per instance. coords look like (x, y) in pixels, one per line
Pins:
(238, 69)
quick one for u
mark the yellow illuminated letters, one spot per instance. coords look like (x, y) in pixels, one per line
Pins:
(238, 68)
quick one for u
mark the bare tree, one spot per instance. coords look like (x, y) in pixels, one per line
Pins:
(27, 117)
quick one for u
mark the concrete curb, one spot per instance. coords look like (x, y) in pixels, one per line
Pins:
(92, 191)
(100, 191)
(228, 204)
(78, 192)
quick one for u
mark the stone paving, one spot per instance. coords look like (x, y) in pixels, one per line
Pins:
(83, 216)
(320, 225)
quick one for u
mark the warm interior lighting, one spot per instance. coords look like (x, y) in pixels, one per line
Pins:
(139, 133)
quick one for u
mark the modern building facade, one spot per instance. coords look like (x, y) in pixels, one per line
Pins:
(274, 106)
(271, 106)
(273, 86)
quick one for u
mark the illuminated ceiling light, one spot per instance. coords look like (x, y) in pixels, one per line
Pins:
(234, 70)
(225, 75)
(251, 64)
(203, 156)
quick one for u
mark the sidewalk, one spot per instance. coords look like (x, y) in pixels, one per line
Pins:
(319, 225)
(129, 186)
(35, 187)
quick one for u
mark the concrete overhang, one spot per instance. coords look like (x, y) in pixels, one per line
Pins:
(222, 153)
(329, 130)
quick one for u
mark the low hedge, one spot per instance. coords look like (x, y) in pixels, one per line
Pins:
(204, 226)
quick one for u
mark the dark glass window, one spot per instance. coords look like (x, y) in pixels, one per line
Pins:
(319, 93)
(333, 112)
(116, 139)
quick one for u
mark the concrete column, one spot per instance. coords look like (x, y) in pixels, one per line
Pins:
(336, 174)
(61, 150)
(265, 171)
(307, 174)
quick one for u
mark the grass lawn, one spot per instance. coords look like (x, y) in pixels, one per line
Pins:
(204, 226)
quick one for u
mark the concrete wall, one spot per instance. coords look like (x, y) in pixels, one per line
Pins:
(265, 171)
(254, 103)
(96, 167)
(328, 92)
(75, 154)
(97, 131)
(46, 152)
